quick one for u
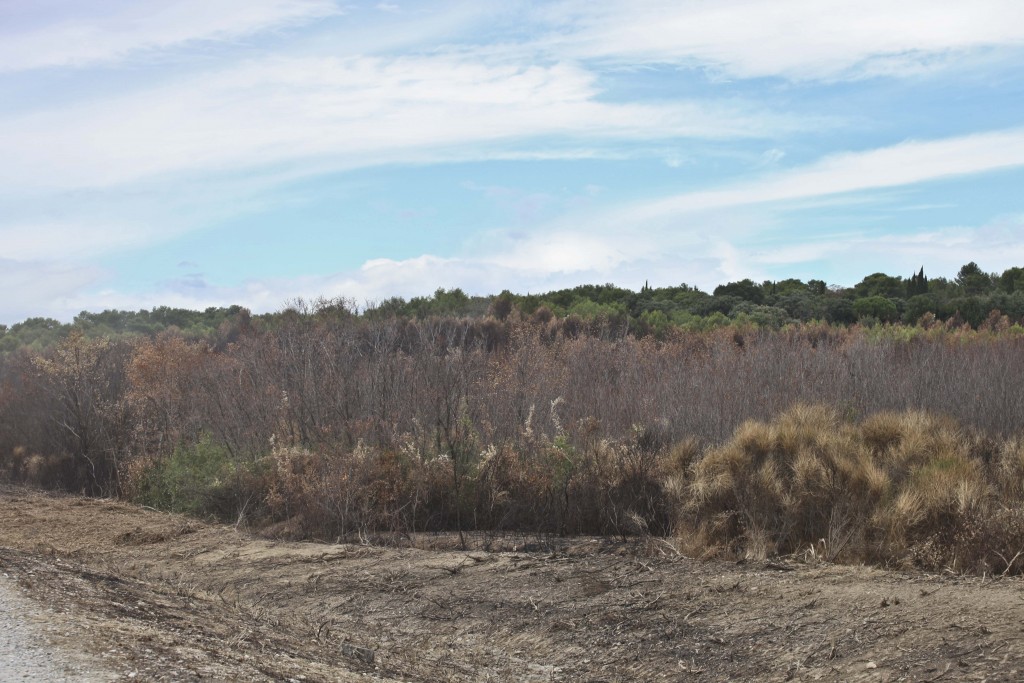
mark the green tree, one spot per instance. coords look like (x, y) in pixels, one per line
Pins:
(840, 311)
(917, 306)
(762, 316)
(502, 305)
(880, 284)
(804, 306)
(972, 309)
(744, 289)
(1012, 280)
(876, 307)
(789, 286)
(817, 287)
(972, 280)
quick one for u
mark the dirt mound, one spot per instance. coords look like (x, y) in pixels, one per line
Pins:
(177, 599)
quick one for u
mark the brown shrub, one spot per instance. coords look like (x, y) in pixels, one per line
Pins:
(899, 489)
(801, 480)
(57, 471)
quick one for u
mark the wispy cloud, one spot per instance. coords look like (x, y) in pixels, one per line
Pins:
(374, 281)
(799, 39)
(664, 241)
(335, 113)
(906, 163)
(72, 34)
(124, 125)
(86, 224)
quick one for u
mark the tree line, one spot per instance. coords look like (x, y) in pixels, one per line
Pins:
(968, 299)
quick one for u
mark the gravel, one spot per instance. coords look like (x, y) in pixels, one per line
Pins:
(27, 650)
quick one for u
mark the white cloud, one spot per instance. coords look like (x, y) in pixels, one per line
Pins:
(800, 39)
(78, 35)
(906, 163)
(71, 239)
(565, 252)
(772, 156)
(380, 279)
(42, 288)
(547, 263)
(742, 227)
(340, 114)
(704, 238)
(84, 224)
(212, 140)
(996, 246)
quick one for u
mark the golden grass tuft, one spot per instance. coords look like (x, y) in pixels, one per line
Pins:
(783, 482)
(899, 488)
(1010, 468)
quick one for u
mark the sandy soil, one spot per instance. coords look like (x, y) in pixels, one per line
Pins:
(163, 597)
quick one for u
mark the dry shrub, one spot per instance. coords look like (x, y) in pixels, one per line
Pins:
(937, 487)
(529, 490)
(413, 425)
(781, 486)
(899, 489)
(357, 493)
(986, 542)
(132, 474)
(904, 440)
(674, 472)
(56, 471)
(602, 487)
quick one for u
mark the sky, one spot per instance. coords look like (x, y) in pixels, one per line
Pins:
(197, 153)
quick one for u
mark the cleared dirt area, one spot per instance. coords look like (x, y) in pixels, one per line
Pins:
(163, 597)
(30, 643)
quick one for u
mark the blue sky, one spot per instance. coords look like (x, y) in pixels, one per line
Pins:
(207, 152)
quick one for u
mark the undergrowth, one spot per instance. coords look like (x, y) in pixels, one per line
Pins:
(200, 480)
(898, 489)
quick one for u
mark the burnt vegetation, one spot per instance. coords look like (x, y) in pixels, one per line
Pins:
(760, 420)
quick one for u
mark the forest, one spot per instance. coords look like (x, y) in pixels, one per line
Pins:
(882, 423)
(969, 299)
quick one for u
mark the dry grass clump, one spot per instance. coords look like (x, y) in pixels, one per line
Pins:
(782, 486)
(899, 488)
(935, 486)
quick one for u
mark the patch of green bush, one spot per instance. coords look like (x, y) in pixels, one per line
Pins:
(201, 479)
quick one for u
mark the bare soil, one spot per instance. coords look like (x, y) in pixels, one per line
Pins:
(163, 597)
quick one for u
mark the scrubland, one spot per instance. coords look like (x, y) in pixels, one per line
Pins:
(891, 445)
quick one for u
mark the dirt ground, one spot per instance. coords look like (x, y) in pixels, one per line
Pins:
(162, 597)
